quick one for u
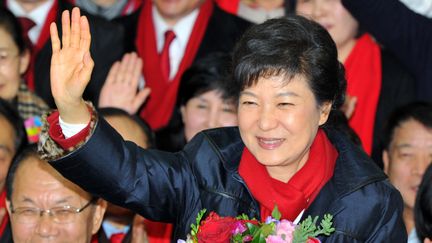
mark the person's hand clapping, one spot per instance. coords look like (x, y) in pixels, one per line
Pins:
(71, 66)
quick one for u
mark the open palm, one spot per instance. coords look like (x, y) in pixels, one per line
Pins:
(71, 63)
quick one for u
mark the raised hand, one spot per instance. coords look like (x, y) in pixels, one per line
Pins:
(71, 66)
(120, 87)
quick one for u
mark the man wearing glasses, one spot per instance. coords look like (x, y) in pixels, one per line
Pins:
(44, 206)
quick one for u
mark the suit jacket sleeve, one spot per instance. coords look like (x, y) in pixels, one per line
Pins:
(158, 185)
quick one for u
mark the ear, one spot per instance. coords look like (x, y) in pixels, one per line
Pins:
(386, 161)
(98, 215)
(24, 61)
(325, 110)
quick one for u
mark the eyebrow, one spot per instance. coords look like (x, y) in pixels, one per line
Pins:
(60, 201)
(282, 94)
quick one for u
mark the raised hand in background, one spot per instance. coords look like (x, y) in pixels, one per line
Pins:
(121, 86)
(71, 66)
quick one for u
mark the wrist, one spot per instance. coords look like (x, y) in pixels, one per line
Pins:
(77, 113)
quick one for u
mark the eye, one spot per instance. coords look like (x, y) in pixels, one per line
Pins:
(285, 104)
(27, 211)
(201, 106)
(248, 103)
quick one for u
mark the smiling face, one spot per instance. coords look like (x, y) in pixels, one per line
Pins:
(332, 15)
(278, 121)
(12, 65)
(38, 185)
(205, 111)
(409, 154)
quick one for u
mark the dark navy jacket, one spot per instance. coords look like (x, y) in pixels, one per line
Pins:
(173, 187)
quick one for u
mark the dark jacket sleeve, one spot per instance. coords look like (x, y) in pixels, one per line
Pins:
(155, 184)
(405, 33)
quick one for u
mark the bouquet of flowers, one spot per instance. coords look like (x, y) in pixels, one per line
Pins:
(217, 229)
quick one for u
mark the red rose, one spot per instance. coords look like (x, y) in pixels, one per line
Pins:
(313, 240)
(216, 229)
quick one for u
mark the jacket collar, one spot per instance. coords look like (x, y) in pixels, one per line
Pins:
(354, 169)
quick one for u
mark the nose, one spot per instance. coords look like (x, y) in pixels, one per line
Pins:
(267, 119)
(46, 227)
(318, 10)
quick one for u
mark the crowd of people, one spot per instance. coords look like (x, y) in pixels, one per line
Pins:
(121, 119)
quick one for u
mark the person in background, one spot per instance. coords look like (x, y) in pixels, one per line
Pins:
(204, 101)
(169, 36)
(45, 206)
(14, 61)
(118, 223)
(288, 80)
(255, 11)
(423, 7)
(35, 17)
(423, 208)
(108, 9)
(403, 32)
(376, 82)
(407, 154)
(12, 139)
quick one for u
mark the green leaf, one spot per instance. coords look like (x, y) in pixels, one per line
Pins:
(276, 214)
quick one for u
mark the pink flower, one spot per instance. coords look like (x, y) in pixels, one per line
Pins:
(239, 228)
(285, 230)
(275, 239)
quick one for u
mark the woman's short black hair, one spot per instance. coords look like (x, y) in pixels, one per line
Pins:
(10, 23)
(8, 112)
(423, 207)
(290, 46)
(418, 111)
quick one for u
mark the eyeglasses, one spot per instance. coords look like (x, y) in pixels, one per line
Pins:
(6, 57)
(60, 215)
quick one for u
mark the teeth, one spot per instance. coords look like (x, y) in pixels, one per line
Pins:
(270, 141)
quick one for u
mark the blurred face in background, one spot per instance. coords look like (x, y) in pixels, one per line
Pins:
(332, 15)
(7, 148)
(408, 156)
(174, 10)
(205, 111)
(12, 65)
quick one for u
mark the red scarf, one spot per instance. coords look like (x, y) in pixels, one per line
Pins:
(230, 6)
(300, 191)
(5, 219)
(160, 104)
(363, 72)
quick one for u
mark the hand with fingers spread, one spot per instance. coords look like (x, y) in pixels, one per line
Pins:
(71, 66)
(121, 85)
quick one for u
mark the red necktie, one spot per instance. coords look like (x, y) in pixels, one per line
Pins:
(117, 238)
(164, 56)
(26, 25)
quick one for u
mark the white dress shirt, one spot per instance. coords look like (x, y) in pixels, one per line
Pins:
(182, 29)
(37, 15)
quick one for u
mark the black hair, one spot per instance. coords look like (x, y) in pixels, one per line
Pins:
(210, 73)
(423, 207)
(10, 23)
(12, 116)
(145, 128)
(418, 111)
(290, 46)
(29, 151)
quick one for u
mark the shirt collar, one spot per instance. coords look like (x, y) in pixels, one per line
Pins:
(38, 15)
